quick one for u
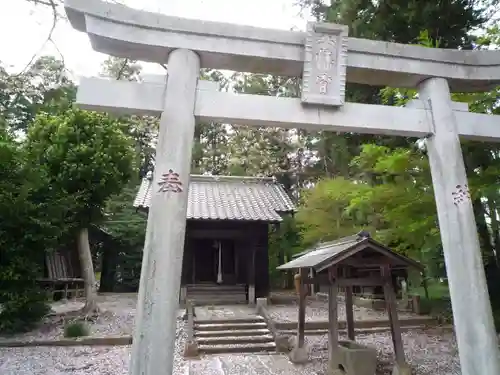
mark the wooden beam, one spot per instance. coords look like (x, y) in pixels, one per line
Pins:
(217, 233)
(341, 283)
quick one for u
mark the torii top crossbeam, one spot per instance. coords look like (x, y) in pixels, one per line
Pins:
(121, 31)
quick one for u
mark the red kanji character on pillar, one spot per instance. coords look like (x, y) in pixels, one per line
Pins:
(170, 182)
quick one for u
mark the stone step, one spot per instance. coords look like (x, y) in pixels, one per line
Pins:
(211, 296)
(250, 319)
(217, 301)
(234, 340)
(239, 333)
(235, 288)
(229, 326)
(219, 290)
(238, 348)
(215, 294)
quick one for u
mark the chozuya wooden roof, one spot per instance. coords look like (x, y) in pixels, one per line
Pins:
(228, 198)
(327, 254)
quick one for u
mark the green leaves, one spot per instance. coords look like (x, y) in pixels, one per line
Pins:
(392, 198)
(86, 156)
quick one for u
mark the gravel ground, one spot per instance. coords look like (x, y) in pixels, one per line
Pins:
(118, 315)
(117, 318)
(318, 311)
(79, 360)
(430, 352)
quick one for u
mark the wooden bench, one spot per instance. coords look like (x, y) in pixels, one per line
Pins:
(61, 277)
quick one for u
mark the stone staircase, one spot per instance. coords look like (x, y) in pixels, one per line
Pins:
(248, 335)
(213, 294)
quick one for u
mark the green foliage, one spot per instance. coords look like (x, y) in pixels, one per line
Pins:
(284, 241)
(392, 198)
(128, 227)
(76, 329)
(45, 86)
(86, 156)
(323, 216)
(30, 226)
(400, 201)
(402, 20)
(122, 220)
(22, 310)
(142, 129)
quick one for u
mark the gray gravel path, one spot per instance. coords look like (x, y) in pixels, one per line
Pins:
(430, 352)
(318, 311)
(79, 360)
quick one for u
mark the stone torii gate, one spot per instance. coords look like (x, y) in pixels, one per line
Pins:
(324, 57)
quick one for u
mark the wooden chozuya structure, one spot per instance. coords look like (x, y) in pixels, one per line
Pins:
(226, 241)
(345, 263)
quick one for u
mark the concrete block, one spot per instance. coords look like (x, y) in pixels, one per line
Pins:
(299, 355)
(183, 294)
(404, 369)
(351, 358)
(251, 295)
(261, 302)
(283, 343)
(191, 349)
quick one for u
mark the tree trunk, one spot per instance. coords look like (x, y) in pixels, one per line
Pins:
(494, 229)
(88, 274)
(483, 232)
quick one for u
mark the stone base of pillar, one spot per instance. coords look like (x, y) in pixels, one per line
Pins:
(299, 355)
(404, 369)
(191, 349)
(261, 302)
(183, 295)
(283, 343)
(251, 295)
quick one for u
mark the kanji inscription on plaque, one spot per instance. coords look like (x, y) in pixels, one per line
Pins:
(170, 182)
(325, 58)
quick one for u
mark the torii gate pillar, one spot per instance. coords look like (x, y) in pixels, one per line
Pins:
(153, 346)
(472, 314)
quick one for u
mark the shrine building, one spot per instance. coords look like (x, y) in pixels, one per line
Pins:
(226, 242)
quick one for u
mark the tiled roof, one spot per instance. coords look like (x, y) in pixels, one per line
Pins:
(228, 198)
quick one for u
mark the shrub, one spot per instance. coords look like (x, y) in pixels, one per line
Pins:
(76, 329)
(33, 219)
(23, 311)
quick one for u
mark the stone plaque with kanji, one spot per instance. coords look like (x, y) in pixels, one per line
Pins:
(324, 75)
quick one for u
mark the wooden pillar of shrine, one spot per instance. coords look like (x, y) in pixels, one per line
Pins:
(401, 367)
(299, 352)
(349, 310)
(251, 275)
(333, 324)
